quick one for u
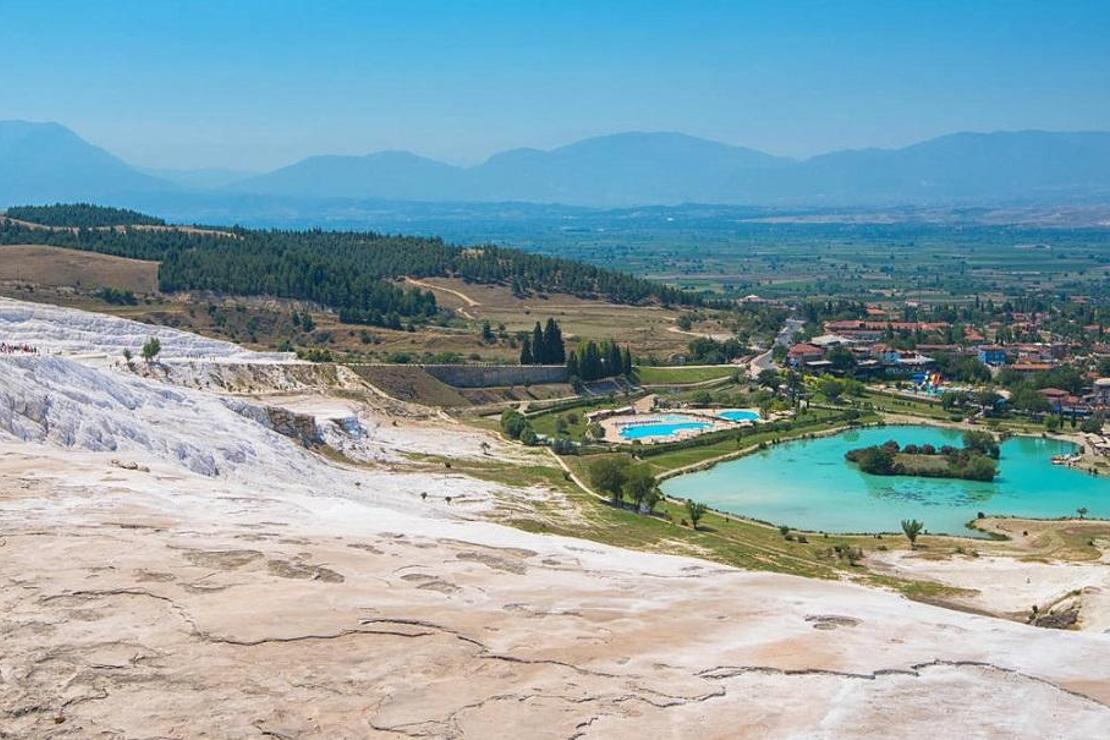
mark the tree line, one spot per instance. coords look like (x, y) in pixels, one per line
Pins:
(81, 215)
(590, 361)
(593, 361)
(545, 346)
(351, 272)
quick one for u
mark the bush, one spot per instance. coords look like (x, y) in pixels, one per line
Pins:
(315, 354)
(151, 349)
(981, 442)
(1092, 424)
(513, 423)
(117, 297)
(563, 446)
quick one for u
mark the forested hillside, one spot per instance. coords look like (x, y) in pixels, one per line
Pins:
(82, 215)
(347, 271)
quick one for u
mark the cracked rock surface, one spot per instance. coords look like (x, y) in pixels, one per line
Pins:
(290, 597)
(121, 619)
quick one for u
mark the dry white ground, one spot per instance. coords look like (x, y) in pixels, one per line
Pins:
(172, 568)
(1006, 585)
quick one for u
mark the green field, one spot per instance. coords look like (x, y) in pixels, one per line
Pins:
(684, 375)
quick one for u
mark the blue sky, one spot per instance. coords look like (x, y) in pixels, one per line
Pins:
(259, 83)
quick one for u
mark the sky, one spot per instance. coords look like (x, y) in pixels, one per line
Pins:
(257, 84)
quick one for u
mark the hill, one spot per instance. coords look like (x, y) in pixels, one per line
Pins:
(1025, 165)
(353, 272)
(46, 162)
(395, 175)
(634, 169)
(81, 215)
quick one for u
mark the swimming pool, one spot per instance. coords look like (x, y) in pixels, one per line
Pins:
(739, 415)
(662, 426)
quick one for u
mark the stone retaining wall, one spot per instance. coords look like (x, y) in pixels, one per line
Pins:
(486, 376)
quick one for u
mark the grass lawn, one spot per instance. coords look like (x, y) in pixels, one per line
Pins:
(684, 375)
(575, 418)
(573, 513)
(894, 404)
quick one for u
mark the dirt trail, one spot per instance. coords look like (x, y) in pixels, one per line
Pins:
(135, 227)
(470, 302)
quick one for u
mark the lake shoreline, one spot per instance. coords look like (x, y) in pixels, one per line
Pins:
(779, 494)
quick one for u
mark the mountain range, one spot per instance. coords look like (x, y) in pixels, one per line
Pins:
(45, 162)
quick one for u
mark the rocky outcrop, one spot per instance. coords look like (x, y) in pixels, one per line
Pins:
(53, 329)
(54, 400)
(299, 427)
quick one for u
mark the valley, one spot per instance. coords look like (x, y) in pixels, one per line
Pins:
(398, 548)
(133, 534)
(554, 371)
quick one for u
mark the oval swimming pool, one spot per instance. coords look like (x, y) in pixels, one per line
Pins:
(739, 415)
(808, 484)
(666, 425)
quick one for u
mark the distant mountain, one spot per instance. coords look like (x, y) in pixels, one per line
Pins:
(667, 168)
(46, 162)
(626, 169)
(209, 178)
(392, 175)
(964, 167)
(621, 169)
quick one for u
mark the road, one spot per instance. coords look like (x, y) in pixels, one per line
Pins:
(784, 338)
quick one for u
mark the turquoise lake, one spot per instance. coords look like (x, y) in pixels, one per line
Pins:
(809, 485)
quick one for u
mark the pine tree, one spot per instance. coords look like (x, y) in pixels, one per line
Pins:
(526, 357)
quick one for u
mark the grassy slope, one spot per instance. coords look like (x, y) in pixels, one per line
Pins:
(733, 541)
(683, 375)
(55, 266)
(411, 384)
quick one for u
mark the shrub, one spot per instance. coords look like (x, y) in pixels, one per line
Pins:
(981, 442)
(151, 349)
(315, 354)
(117, 297)
(513, 423)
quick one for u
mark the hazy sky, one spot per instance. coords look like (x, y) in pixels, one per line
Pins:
(260, 83)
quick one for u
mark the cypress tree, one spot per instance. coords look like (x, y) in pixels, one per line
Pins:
(590, 363)
(526, 357)
(626, 357)
(553, 343)
(539, 349)
(615, 365)
(573, 371)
